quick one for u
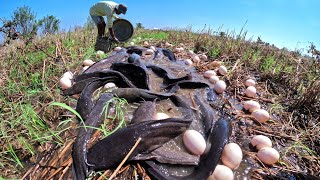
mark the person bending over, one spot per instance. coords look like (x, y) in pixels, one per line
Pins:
(106, 8)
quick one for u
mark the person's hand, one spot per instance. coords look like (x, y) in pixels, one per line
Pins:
(115, 40)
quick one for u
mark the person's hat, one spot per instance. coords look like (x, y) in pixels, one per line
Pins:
(122, 8)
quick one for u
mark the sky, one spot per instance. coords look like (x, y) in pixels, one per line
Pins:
(285, 23)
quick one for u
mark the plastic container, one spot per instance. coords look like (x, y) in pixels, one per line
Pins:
(123, 29)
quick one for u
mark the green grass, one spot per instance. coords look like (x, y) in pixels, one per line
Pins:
(116, 118)
(25, 129)
(114, 115)
(65, 106)
(154, 35)
(214, 52)
(31, 77)
(267, 64)
(14, 156)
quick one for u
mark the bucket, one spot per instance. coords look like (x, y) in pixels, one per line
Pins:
(123, 29)
(102, 44)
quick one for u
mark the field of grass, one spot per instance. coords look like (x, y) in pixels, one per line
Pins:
(31, 128)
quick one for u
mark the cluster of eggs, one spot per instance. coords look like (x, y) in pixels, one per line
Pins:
(193, 58)
(232, 156)
(65, 81)
(266, 153)
(252, 106)
(193, 140)
(212, 75)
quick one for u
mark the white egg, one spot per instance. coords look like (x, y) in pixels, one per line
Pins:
(213, 79)
(250, 91)
(188, 62)
(117, 48)
(250, 82)
(231, 155)
(148, 56)
(220, 86)
(190, 53)
(68, 74)
(221, 172)
(131, 43)
(65, 82)
(168, 44)
(261, 141)
(149, 52)
(153, 48)
(194, 142)
(177, 50)
(203, 57)
(160, 115)
(268, 155)
(223, 70)
(109, 85)
(261, 115)
(196, 59)
(85, 68)
(145, 43)
(215, 63)
(209, 73)
(251, 105)
(87, 62)
(100, 53)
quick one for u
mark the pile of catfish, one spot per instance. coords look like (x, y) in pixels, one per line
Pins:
(155, 83)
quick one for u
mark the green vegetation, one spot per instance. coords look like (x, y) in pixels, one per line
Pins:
(25, 21)
(154, 35)
(117, 117)
(49, 24)
(24, 24)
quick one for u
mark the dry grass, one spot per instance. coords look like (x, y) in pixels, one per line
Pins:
(288, 87)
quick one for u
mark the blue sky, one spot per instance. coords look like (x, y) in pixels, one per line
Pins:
(285, 23)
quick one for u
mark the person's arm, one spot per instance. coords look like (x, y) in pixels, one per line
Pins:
(112, 34)
(110, 23)
(116, 17)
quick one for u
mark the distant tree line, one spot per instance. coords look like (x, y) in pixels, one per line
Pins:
(25, 24)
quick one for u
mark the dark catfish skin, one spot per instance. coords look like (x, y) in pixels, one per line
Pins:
(144, 112)
(136, 74)
(81, 81)
(219, 135)
(106, 63)
(79, 150)
(110, 151)
(85, 103)
(167, 77)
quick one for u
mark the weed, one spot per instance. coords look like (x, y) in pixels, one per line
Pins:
(214, 52)
(63, 105)
(114, 111)
(154, 35)
(14, 155)
(267, 64)
(256, 56)
(298, 146)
